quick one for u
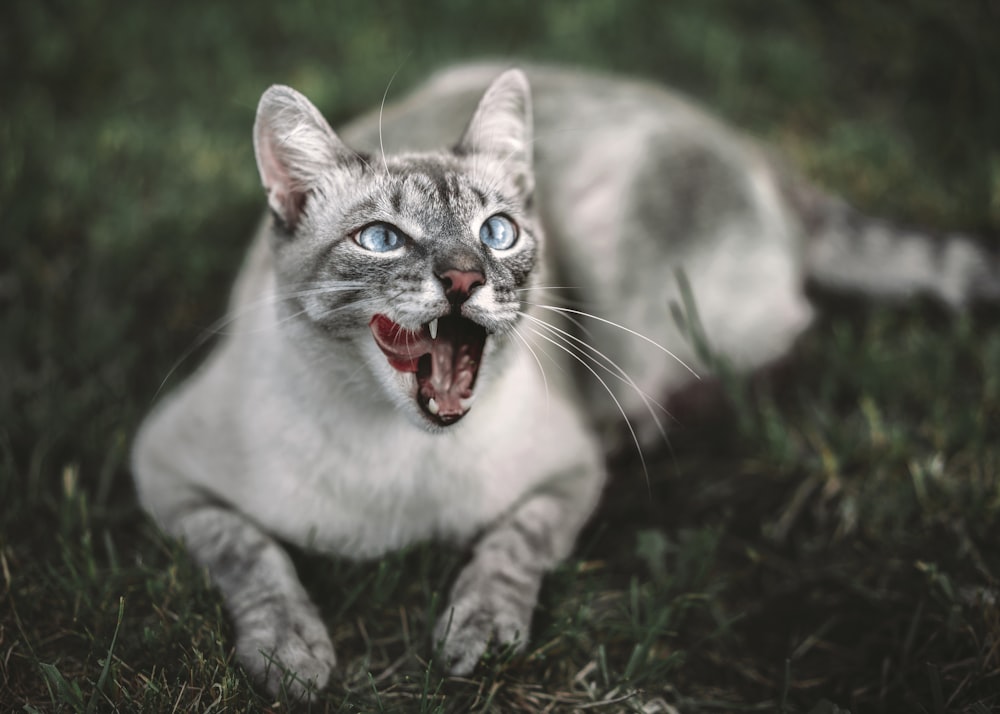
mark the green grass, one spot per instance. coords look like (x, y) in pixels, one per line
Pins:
(832, 538)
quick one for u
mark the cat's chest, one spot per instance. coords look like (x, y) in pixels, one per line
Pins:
(317, 469)
(359, 489)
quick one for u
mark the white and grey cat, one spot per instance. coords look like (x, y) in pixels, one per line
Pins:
(399, 368)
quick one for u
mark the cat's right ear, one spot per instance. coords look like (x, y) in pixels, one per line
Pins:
(501, 126)
(294, 145)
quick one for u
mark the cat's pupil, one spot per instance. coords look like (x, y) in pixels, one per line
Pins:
(379, 238)
(498, 232)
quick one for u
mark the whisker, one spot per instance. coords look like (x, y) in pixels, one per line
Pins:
(309, 292)
(614, 369)
(562, 299)
(215, 328)
(218, 327)
(361, 302)
(621, 409)
(204, 337)
(275, 298)
(657, 345)
(381, 109)
(330, 282)
(583, 328)
(545, 287)
(541, 369)
(579, 325)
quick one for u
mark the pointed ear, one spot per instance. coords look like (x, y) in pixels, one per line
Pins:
(294, 145)
(501, 125)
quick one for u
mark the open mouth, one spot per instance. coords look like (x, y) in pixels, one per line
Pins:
(444, 354)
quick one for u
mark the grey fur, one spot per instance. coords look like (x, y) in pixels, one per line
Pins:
(298, 427)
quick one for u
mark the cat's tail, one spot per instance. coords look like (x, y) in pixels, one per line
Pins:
(848, 251)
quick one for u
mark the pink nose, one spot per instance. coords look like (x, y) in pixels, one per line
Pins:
(459, 284)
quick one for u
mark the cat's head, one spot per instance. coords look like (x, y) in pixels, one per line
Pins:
(412, 263)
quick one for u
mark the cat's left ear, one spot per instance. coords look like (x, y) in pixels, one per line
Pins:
(501, 125)
(294, 146)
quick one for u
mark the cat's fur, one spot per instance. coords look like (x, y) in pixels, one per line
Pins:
(298, 428)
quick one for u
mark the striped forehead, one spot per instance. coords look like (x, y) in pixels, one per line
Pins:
(422, 185)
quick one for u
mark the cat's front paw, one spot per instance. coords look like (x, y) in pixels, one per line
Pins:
(291, 653)
(475, 622)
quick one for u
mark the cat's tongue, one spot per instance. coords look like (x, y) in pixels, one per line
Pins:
(402, 347)
(446, 365)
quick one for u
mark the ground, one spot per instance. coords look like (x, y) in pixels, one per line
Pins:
(827, 541)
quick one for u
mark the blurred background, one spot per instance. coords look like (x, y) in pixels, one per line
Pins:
(128, 193)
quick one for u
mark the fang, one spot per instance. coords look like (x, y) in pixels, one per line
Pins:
(432, 327)
(432, 406)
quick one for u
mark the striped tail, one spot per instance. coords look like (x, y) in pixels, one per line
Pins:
(848, 251)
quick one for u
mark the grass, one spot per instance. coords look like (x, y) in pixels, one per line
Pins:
(830, 541)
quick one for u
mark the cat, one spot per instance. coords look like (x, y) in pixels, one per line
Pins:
(435, 330)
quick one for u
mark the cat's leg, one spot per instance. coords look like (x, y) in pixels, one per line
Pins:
(280, 638)
(493, 599)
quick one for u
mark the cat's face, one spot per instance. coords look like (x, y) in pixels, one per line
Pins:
(416, 262)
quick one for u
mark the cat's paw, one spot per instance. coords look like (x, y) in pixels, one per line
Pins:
(473, 623)
(290, 653)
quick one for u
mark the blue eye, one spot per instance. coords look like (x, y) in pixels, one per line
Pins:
(498, 233)
(379, 238)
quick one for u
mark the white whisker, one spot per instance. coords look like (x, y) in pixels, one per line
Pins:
(657, 345)
(562, 298)
(612, 368)
(219, 326)
(579, 325)
(381, 109)
(541, 369)
(545, 287)
(353, 304)
(276, 298)
(321, 290)
(621, 409)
